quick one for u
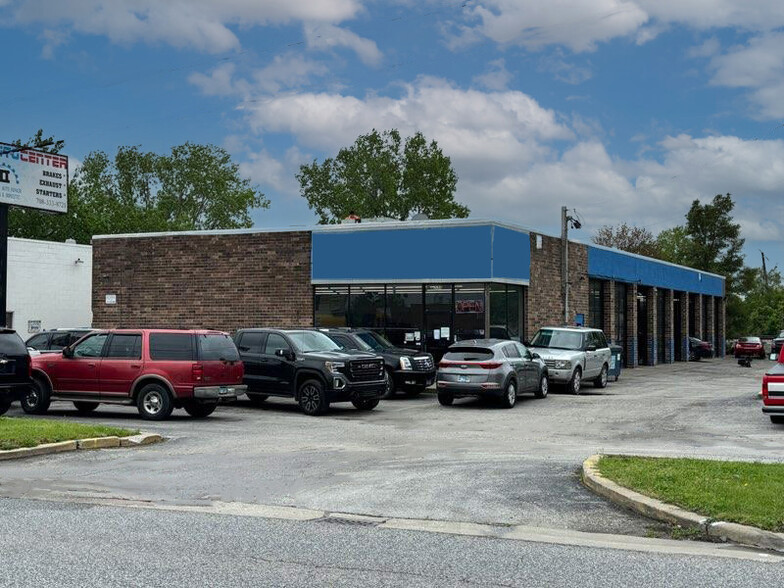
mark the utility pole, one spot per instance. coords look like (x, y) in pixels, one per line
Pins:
(566, 220)
(764, 269)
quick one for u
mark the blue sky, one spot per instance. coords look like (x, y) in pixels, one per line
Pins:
(625, 110)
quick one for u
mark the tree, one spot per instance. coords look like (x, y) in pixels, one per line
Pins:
(627, 238)
(382, 176)
(715, 239)
(194, 187)
(674, 245)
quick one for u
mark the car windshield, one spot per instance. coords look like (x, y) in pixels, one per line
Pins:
(555, 339)
(308, 341)
(781, 335)
(750, 340)
(11, 344)
(374, 341)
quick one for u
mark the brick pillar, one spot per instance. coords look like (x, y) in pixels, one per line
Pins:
(631, 326)
(608, 309)
(721, 332)
(669, 327)
(710, 309)
(653, 340)
(698, 310)
(684, 318)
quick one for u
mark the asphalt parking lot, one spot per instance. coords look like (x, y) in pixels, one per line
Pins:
(414, 458)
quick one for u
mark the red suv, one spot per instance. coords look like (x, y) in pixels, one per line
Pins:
(157, 370)
(773, 392)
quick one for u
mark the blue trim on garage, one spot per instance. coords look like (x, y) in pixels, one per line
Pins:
(511, 254)
(616, 265)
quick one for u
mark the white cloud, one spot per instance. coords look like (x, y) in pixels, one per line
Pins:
(496, 78)
(204, 25)
(325, 36)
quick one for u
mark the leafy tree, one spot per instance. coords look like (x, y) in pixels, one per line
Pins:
(762, 306)
(627, 238)
(380, 175)
(674, 245)
(194, 187)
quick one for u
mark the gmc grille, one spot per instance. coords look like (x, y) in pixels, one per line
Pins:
(422, 364)
(366, 370)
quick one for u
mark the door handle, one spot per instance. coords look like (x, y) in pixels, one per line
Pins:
(92, 365)
(135, 365)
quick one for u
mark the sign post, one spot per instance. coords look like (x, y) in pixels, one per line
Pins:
(31, 179)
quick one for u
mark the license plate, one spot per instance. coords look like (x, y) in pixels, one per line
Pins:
(463, 378)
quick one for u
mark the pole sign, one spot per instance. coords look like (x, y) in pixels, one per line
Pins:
(33, 179)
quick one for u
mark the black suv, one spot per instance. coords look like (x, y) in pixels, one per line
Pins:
(56, 340)
(406, 369)
(311, 368)
(15, 374)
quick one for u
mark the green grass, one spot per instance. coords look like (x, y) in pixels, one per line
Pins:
(25, 432)
(739, 492)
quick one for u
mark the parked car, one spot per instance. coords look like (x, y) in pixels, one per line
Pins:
(773, 392)
(15, 381)
(311, 368)
(55, 340)
(406, 369)
(699, 349)
(778, 344)
(748, 348)
(573, 355)
(158, 370)
(495, 368)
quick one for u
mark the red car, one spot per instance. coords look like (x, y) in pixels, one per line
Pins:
(749, 347)
(156, 370)
(773, 392)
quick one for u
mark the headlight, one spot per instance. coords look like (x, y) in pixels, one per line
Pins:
(334, 366)
(405, 363)
(562, 364)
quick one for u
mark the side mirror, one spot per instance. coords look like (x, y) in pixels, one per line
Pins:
(536, 356)
(591, 348)
(285, 354)
(68, 352)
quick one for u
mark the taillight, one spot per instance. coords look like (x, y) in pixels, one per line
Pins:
(489, 365)
(764, 387)
(198, 372)
(443, 364)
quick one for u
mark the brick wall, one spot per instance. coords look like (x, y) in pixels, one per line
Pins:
(545, 298)
(223, 281)
(669, 327)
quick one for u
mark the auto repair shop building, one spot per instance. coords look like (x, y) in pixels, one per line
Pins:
(424, 284)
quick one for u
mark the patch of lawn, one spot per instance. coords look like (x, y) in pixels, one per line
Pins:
(739, 492)
(23, 432)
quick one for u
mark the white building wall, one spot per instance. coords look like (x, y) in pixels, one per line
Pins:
(47, 284)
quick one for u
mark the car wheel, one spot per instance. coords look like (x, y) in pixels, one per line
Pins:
(509, 397)
(389, 385)
(777, 419)
(85, 407)
(576, 383)
(365, 403)
(154, 403)
(257, 399)
(312, 399)
(445, 399)
(5, 404)
(544, 387)
(200, 410)
(601, 381)
(37, 399)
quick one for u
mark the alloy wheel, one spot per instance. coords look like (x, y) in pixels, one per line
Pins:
(310, 398)
(577, 382)
(544, 386)
(511, 394)
(153, 402)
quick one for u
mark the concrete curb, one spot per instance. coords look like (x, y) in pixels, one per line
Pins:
(656, 509)
(93, 443)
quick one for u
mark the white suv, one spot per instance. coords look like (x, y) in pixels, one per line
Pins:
(573, 354)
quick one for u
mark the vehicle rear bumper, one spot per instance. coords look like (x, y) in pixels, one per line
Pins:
(344, 391)
(220, 393)
(773, 409)
(462, 390)
(414, 378)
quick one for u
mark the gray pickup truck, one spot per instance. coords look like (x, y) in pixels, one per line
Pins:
(573, 354)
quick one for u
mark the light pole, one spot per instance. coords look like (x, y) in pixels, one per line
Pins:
(566, 220)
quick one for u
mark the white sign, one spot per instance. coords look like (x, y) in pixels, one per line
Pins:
(111, 299)
(33, 179)
(33, 326)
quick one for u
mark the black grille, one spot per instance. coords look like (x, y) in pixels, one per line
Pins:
(366, 370)
(422, 364)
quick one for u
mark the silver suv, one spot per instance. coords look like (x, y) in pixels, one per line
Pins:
(573, 354)
(490, 367)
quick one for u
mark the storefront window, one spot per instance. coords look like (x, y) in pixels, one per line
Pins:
(514, 303)
(405, 315)
(438, 317)
(331, 306)
(498, 312)
(595, 304)
(366, 307)
(469, 311)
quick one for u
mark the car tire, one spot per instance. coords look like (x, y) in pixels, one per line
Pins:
(445, 399)
(365, 404)
(85, 407)
(154, 403)
(5, 404)
(509, 397)
(544, 387)
(200, 410)
(311, 398)
(38, 397)
(575, 385)
(389, 383)
(601, 379)
(777, 419)
(257, 399)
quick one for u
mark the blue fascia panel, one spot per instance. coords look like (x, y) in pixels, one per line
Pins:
(616, 265)
(437, 253)
(511, 254)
